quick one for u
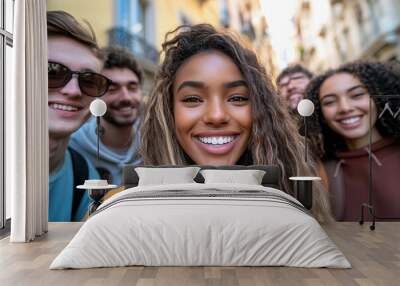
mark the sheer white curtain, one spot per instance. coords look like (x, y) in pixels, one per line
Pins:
(26, 124)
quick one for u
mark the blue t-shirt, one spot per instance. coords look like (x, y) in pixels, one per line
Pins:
(60, 192)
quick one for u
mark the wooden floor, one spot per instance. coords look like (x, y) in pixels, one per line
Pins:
(374, 255)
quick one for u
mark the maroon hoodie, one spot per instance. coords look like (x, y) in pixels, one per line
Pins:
(348, 181)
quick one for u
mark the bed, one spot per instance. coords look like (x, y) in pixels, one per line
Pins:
(201, 223)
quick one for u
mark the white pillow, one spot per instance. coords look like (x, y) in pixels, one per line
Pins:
(163, 176)
(248, 177)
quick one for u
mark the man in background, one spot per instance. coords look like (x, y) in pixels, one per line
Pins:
(120, 128)
(73, 82)
(292, 83)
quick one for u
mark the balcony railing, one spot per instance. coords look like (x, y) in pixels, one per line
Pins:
(137, 44)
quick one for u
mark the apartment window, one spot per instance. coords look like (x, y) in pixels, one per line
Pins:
(247, 27)
(224, 16)
(6, 43)
(374, 10)
(131, 17)
(338, 10)
(134, 28)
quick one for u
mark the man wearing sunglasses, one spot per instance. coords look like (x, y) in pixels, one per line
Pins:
(120, 137)
(73, 82)
(292, 83)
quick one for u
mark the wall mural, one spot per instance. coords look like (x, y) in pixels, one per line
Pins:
(127, 90)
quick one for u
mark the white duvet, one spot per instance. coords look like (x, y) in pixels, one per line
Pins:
(201, 224)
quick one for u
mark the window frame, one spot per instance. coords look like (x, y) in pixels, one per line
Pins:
(6, 39)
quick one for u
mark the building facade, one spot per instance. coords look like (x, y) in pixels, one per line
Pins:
(141, 25)
(331, 32)
(119, 22)
(246, 18)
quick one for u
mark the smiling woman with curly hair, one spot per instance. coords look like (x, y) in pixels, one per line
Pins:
(213, 104)
(343, 111)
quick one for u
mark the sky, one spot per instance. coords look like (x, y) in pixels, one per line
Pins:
(279, 15)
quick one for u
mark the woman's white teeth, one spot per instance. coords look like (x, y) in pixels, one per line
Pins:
(217, 140)
(63, 107)
(351, 120)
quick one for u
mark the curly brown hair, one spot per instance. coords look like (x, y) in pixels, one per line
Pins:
(379, 79)
(274, 139)
(120, 57)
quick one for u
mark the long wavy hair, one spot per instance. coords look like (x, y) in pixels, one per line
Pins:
(274, 137)
(379, 79)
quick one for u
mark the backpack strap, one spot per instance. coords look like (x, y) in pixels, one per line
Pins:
(81, 173)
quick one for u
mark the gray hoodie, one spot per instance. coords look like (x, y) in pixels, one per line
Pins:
(84, 140)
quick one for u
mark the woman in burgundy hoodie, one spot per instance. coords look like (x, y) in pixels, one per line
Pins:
(342, 116)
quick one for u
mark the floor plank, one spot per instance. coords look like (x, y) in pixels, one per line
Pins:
(374, 255)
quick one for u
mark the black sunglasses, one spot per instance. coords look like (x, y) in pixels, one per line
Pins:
(90, 83)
